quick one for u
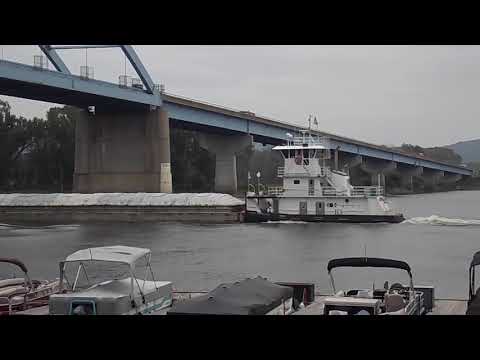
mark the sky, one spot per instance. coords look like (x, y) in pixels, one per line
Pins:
(423, 95)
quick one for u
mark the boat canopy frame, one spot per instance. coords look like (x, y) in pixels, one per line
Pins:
(369, 262)
(471, 275)
(21, 265)
(117, 254)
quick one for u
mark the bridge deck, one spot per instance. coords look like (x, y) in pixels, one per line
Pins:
(26, 81)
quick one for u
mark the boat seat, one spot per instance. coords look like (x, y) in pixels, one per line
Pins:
(7, 293)
(394, 302)
(11, 282)
(364, 294)
(337, 312)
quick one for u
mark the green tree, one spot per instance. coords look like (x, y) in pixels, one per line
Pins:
(15, 139)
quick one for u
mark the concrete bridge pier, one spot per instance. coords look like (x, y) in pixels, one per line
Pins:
(125, 151)
(378, 170)
(347, 161)
(450, 178)
(432, 178)
(225, 148)
(407, 174)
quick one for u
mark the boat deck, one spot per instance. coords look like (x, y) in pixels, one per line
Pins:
(442, 307)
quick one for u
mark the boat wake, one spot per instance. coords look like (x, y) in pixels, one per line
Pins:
(45, 227)
(439, 220)
(286, 222)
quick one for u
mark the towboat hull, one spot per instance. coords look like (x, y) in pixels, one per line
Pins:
(255, 217)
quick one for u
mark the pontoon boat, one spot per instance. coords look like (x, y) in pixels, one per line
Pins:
(394, 300)
(123, 296)
(473, 307)
(19, 294)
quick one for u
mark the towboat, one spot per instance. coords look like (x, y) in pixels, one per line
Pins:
(122, 295)
(20, 294)
(396, 299)
(473, 304)
(313, 191)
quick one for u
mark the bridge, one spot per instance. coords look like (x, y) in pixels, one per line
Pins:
(123, 136)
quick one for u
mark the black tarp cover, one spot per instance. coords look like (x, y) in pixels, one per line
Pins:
(255, 296)
(368, 262)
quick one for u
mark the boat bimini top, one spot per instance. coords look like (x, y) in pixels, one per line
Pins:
(369, 262)
(117, 254)
(21, 265)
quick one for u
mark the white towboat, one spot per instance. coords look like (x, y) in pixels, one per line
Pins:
(394, 300)
(125, 296)
(312, 191)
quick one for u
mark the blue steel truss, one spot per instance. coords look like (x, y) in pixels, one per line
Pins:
(128, 50)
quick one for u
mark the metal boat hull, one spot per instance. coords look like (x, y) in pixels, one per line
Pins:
(254, 217)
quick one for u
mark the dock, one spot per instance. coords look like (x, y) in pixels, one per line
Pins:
(441, 307)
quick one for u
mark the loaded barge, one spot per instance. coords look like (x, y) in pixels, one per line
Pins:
(125, 207)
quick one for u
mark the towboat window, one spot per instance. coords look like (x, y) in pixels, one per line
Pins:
(330, 204)
(346, 200)
(305, 157)
(296, 182)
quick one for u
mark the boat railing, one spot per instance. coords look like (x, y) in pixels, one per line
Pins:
(275, 190)
(331, 191)
(358, 191)
(280, 171)
(310, 141)
(367, 191)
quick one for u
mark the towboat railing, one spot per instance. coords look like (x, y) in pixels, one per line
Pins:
(368, 191)
(280, 171)
(331, 191)
(275, 190)
(359, 191)
(310, 141)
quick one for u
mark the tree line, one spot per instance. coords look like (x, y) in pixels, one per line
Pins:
(38, 155)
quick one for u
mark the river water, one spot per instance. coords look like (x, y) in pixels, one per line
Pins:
(438, 241)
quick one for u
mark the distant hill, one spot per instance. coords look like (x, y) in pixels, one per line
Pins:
(468, 150)
(443, 154)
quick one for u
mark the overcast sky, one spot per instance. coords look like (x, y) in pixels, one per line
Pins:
(426, 95)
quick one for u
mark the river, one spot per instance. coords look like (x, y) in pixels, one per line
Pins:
(198, 257)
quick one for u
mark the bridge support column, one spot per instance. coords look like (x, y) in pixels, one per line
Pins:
(378, 169)
(347, 161)
(450, 178)
(407, 175)
(123, 152)
(432, 178)
(225, 148)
